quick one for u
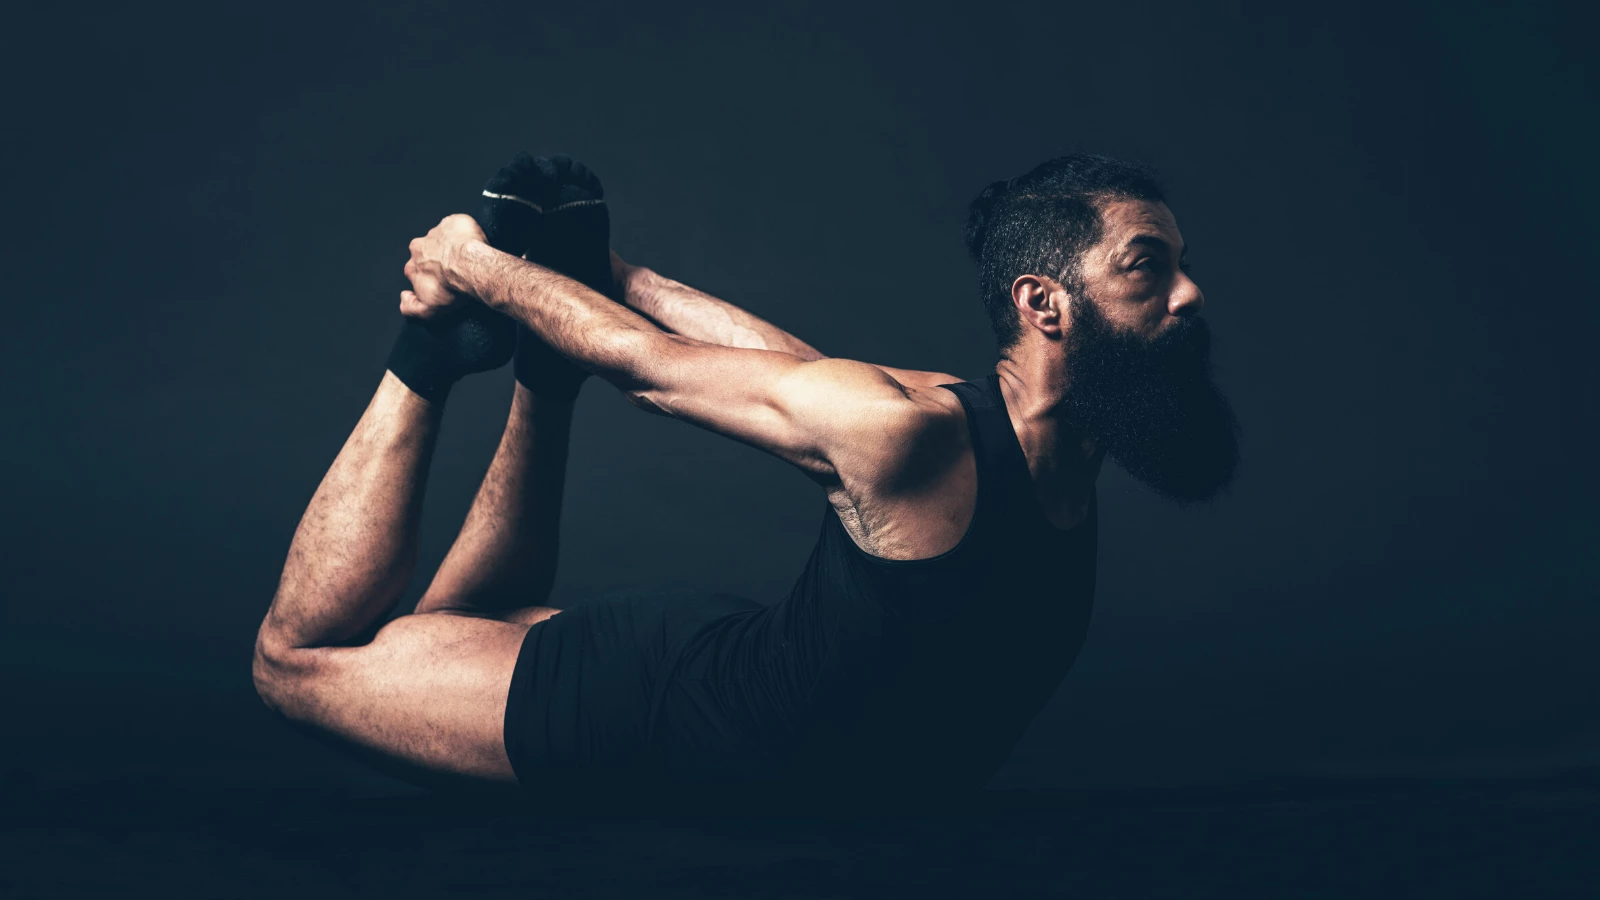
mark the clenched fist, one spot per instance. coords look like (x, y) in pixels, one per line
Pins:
(431, 267)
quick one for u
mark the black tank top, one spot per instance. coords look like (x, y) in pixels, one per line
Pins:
(877, 673)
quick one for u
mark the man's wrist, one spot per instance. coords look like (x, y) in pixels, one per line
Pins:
(466, 265)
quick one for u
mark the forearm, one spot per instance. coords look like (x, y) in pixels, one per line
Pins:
(698, 315)
(356, 545)
(603, 337)
(695, 314)
(505, 556)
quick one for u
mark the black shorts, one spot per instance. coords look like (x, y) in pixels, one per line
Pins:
(714, 698)
(589, 683)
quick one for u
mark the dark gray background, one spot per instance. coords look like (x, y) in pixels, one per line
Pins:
(1390, 210)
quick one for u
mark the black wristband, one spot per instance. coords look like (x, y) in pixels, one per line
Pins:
(430, 356)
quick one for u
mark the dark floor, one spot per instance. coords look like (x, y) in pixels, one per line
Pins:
(1521, 839)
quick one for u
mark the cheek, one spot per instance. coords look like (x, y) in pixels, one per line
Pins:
(1149, 301)
(1138, 311)
(1133, 303)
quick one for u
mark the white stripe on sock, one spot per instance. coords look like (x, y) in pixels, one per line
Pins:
(577, 203)
(514, 199)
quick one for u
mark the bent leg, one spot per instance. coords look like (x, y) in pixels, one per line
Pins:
(356, 545)
(426, 690)
(503, 562)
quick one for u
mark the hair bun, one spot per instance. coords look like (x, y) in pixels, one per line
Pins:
(980, 213)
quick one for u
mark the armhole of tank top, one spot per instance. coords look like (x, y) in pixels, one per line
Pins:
(978, 499)
(982, 491)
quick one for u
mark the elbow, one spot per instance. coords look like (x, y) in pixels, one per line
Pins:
(631, 361)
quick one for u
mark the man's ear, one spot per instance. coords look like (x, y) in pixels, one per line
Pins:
(1041, 303)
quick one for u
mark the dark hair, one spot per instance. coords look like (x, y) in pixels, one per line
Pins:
(1041, 222)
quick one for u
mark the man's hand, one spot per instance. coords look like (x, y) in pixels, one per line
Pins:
(431, 267)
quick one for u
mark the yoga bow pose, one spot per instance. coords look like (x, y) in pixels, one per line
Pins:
(951, 583)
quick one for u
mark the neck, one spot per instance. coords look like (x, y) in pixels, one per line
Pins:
(1063, 462)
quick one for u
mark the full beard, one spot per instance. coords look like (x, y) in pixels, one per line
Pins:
(1152, 405)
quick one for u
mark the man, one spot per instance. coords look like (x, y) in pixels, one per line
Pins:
(946, 597)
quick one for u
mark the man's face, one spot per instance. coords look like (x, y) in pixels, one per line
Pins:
(1138, 273)
(1138, 358)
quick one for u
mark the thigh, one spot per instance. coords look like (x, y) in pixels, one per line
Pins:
(428, 693)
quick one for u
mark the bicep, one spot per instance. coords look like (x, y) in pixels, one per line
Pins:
(800, 411)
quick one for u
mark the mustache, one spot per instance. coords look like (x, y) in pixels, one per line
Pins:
(1187, 340)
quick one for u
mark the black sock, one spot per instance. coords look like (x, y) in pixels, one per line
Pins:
(577, 232)
(575, 241)
(430, 356)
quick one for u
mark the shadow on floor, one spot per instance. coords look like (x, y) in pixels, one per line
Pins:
(1321, 838)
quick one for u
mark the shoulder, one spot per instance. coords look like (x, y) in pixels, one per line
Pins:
(865, 422)
(871, 399)
(879, 426)
(928, 429)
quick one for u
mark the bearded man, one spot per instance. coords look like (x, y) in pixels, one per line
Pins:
(950, 587)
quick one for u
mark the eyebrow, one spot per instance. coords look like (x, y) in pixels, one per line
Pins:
(1150, 240)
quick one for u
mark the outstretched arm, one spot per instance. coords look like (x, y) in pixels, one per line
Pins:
(693, 313)
(813, 414)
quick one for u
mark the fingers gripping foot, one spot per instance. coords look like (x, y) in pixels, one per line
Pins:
(551, 210)
(431, 355)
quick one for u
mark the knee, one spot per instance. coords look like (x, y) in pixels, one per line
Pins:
(273, 670)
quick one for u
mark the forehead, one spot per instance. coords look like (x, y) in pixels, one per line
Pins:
(1125, 220)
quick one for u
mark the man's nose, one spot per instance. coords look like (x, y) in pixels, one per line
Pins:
(1186, 298)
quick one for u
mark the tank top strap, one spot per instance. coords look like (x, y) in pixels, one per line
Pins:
(1005, 486)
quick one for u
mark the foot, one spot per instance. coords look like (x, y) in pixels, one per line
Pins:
(577, 235)
(431, 355)
(575, 240)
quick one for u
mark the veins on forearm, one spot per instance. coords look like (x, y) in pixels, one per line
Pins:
(581, 324)
(698, 315)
